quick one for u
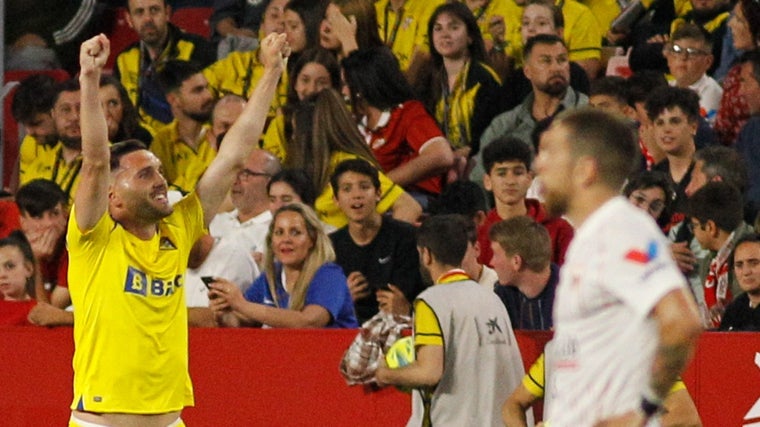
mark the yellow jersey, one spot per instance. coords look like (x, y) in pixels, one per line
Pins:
(406, 31)
(35, 160)
(130, 328)
(582, 34)
(52, 166)
(534, 381)
(183, 165)
(239, 73)
(274, 139)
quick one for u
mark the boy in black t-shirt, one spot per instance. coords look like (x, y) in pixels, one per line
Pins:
(377, 253)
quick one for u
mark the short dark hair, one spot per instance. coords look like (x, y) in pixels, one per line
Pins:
(165, 2)
(724, 162)
(356, 165)
(298, 181)
(753, 58)
(70, 85)
(522, 235)
(668, 97)
(614, 86)
(459, 197)
(747, 238)
(718, 202)
(34, 95)
(606, 138)
(121, 149)
(505, 149)
(445, 236)
(688, 30)
(38, 196)
(645, 180)
(642, 83)
(174, 72)
(546, 39)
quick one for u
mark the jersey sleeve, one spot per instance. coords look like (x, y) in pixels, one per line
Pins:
(421, 126)
(583, 37)
(389, 193)
(427, 330)
(326, 290)
(192, 214)
(258, 290)
(642, 270)
(274, 138)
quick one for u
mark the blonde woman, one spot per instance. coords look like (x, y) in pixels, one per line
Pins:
(302, 286)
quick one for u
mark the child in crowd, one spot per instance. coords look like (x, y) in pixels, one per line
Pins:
(507, 163)
(378, 254)
(17, 275)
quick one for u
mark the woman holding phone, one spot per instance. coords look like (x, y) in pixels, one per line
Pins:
(302, 286)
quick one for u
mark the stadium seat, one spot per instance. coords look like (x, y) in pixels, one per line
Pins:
(121, 36)
(11, 132)
(193, 20)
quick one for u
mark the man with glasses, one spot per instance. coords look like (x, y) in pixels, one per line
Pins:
(689, 56)
(64, 161)
(234, 248)
(249, 221)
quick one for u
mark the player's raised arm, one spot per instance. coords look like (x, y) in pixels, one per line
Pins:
(91, 198)
(244, 134)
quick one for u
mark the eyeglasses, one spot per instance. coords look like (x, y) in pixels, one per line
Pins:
(246, 174)
(681, 52)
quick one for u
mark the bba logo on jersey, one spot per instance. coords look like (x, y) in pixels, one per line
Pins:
(643, 257)
(139, 283)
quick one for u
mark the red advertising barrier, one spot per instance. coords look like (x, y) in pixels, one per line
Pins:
(290, 378)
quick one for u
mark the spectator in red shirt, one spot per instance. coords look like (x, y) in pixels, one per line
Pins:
(507, 162)
(16, 280)
(403, 136)
(43, 215)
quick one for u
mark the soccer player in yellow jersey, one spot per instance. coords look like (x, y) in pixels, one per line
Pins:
(129, 248)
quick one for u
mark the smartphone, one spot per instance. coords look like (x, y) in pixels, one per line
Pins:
(207, 280)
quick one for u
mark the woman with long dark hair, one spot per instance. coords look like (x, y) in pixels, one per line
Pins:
(324, 135)
(404, 138)
(459, 86)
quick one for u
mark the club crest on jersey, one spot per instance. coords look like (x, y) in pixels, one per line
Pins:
(643, 256)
